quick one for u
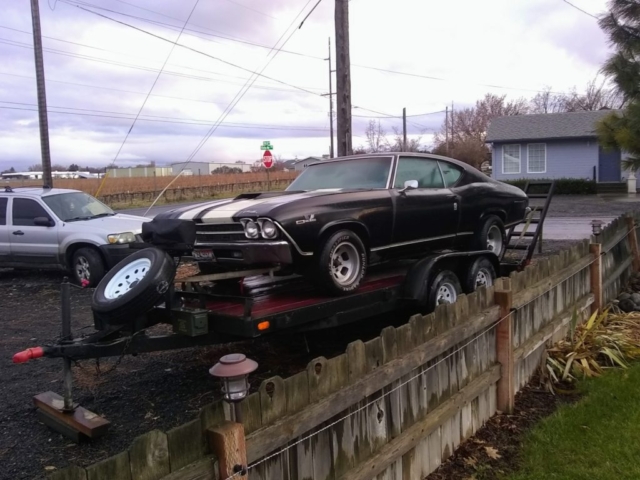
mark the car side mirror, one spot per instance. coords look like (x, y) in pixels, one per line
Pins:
(43, 222)
(409, 185)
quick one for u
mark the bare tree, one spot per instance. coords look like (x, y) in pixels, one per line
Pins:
(413, 144)
(376, 137)
(595, 97)
(36, 167)
(547, 101)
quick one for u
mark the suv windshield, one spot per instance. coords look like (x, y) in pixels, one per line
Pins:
(70, 207)
(359, 173)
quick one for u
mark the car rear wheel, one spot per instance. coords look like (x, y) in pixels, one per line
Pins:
(87, 267)
(342, 263)
(491, 236)
(481, 273)
(445, 289)
(133, 286)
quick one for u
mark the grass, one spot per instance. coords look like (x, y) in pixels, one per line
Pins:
(596, 438)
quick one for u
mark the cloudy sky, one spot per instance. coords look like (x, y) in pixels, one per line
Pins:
(99, 71)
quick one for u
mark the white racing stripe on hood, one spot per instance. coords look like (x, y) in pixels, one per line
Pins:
(224, 213)
(194, 212)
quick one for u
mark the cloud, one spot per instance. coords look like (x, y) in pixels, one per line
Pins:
(100, 72)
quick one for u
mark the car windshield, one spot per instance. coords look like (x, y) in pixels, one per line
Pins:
(70, 207)
(359, 173)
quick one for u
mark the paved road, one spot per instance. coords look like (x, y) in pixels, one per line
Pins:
(555, 228)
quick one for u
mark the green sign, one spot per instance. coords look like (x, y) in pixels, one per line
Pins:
(266, 145)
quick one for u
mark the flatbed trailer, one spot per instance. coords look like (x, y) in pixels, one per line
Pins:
(264, 305)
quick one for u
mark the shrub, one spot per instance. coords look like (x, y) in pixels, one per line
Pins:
(564, 186)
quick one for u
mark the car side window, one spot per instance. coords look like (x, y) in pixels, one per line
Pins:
(424, 170)
(26, 210)
(3, 210)
(450, 172)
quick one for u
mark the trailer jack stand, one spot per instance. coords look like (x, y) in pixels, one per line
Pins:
(60, 413)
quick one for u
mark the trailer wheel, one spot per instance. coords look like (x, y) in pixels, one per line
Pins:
(491, 236)
(133, 286)
(342, 263)
(444, 289)
(481, 273)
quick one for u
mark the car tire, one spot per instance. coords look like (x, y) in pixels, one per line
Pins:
(491, 236)
(87, 266)
(342, 263)
(133, 286)
(445, 288)
(480, 273)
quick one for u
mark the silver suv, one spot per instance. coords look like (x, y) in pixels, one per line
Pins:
(64, 229)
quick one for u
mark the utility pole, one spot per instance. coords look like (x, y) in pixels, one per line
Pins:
(343, 77)
(446, 128)
(42, 96)
(452, 131)
(404, 129)
(331, 94)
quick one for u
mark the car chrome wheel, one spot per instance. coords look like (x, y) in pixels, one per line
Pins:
(494, 240)
(483, 278)
(83, 271)
(127, 278)
(345, 264)
(446, 294)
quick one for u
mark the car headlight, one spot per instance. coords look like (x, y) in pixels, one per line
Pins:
(269, 229)
(126, 237)
(251, 229)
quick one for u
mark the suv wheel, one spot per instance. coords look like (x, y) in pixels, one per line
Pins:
(87, 266)
(342, 263)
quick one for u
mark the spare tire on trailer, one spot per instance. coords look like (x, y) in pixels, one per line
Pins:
(133, 286)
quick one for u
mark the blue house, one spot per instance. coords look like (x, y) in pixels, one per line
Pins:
(553, 145)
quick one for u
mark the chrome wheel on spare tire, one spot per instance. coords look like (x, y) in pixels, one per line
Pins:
(342, 263)
(133, 286)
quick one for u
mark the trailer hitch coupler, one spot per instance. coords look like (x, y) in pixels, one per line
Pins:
(28, 354)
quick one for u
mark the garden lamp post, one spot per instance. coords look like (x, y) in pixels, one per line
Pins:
(596, 228)
(233, 370)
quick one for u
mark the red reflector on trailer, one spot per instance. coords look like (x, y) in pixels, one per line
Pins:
(263, 325)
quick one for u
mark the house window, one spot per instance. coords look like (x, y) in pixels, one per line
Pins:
(511, 159)
(537, 158)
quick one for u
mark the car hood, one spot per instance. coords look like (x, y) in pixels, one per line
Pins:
(118, 223)
(249, 204)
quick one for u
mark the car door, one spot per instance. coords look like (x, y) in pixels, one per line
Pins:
(31, 243)
(5, 246)
(428, 213)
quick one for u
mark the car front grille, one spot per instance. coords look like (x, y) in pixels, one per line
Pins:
(208, 233)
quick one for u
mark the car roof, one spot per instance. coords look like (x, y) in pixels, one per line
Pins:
(463, 165)
(38, 191)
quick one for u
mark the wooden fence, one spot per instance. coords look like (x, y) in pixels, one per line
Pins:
(192, 193)
(396, 406)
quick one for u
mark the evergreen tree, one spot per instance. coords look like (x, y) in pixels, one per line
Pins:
(622, 130)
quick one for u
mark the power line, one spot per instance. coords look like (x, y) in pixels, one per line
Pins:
(251, 9)
(147, 69)
(159, 119)
(580, 9)
(160, 37)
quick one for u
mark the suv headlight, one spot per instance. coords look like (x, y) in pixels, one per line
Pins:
(126, 237)
(269, 229)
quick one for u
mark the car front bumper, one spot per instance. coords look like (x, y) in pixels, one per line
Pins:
(114, 253)
(247, 253)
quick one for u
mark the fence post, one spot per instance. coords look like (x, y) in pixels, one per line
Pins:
(227, 443)
(504, 351)
(596, 277)
(633, 240)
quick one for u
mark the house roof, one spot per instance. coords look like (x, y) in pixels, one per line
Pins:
(545, 126)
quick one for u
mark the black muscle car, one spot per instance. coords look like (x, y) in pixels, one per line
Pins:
(340, 215)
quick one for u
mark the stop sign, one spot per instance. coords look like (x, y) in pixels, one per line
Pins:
(267, 159)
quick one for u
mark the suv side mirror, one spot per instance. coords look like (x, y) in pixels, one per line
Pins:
(409, 185)
(43, 222)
